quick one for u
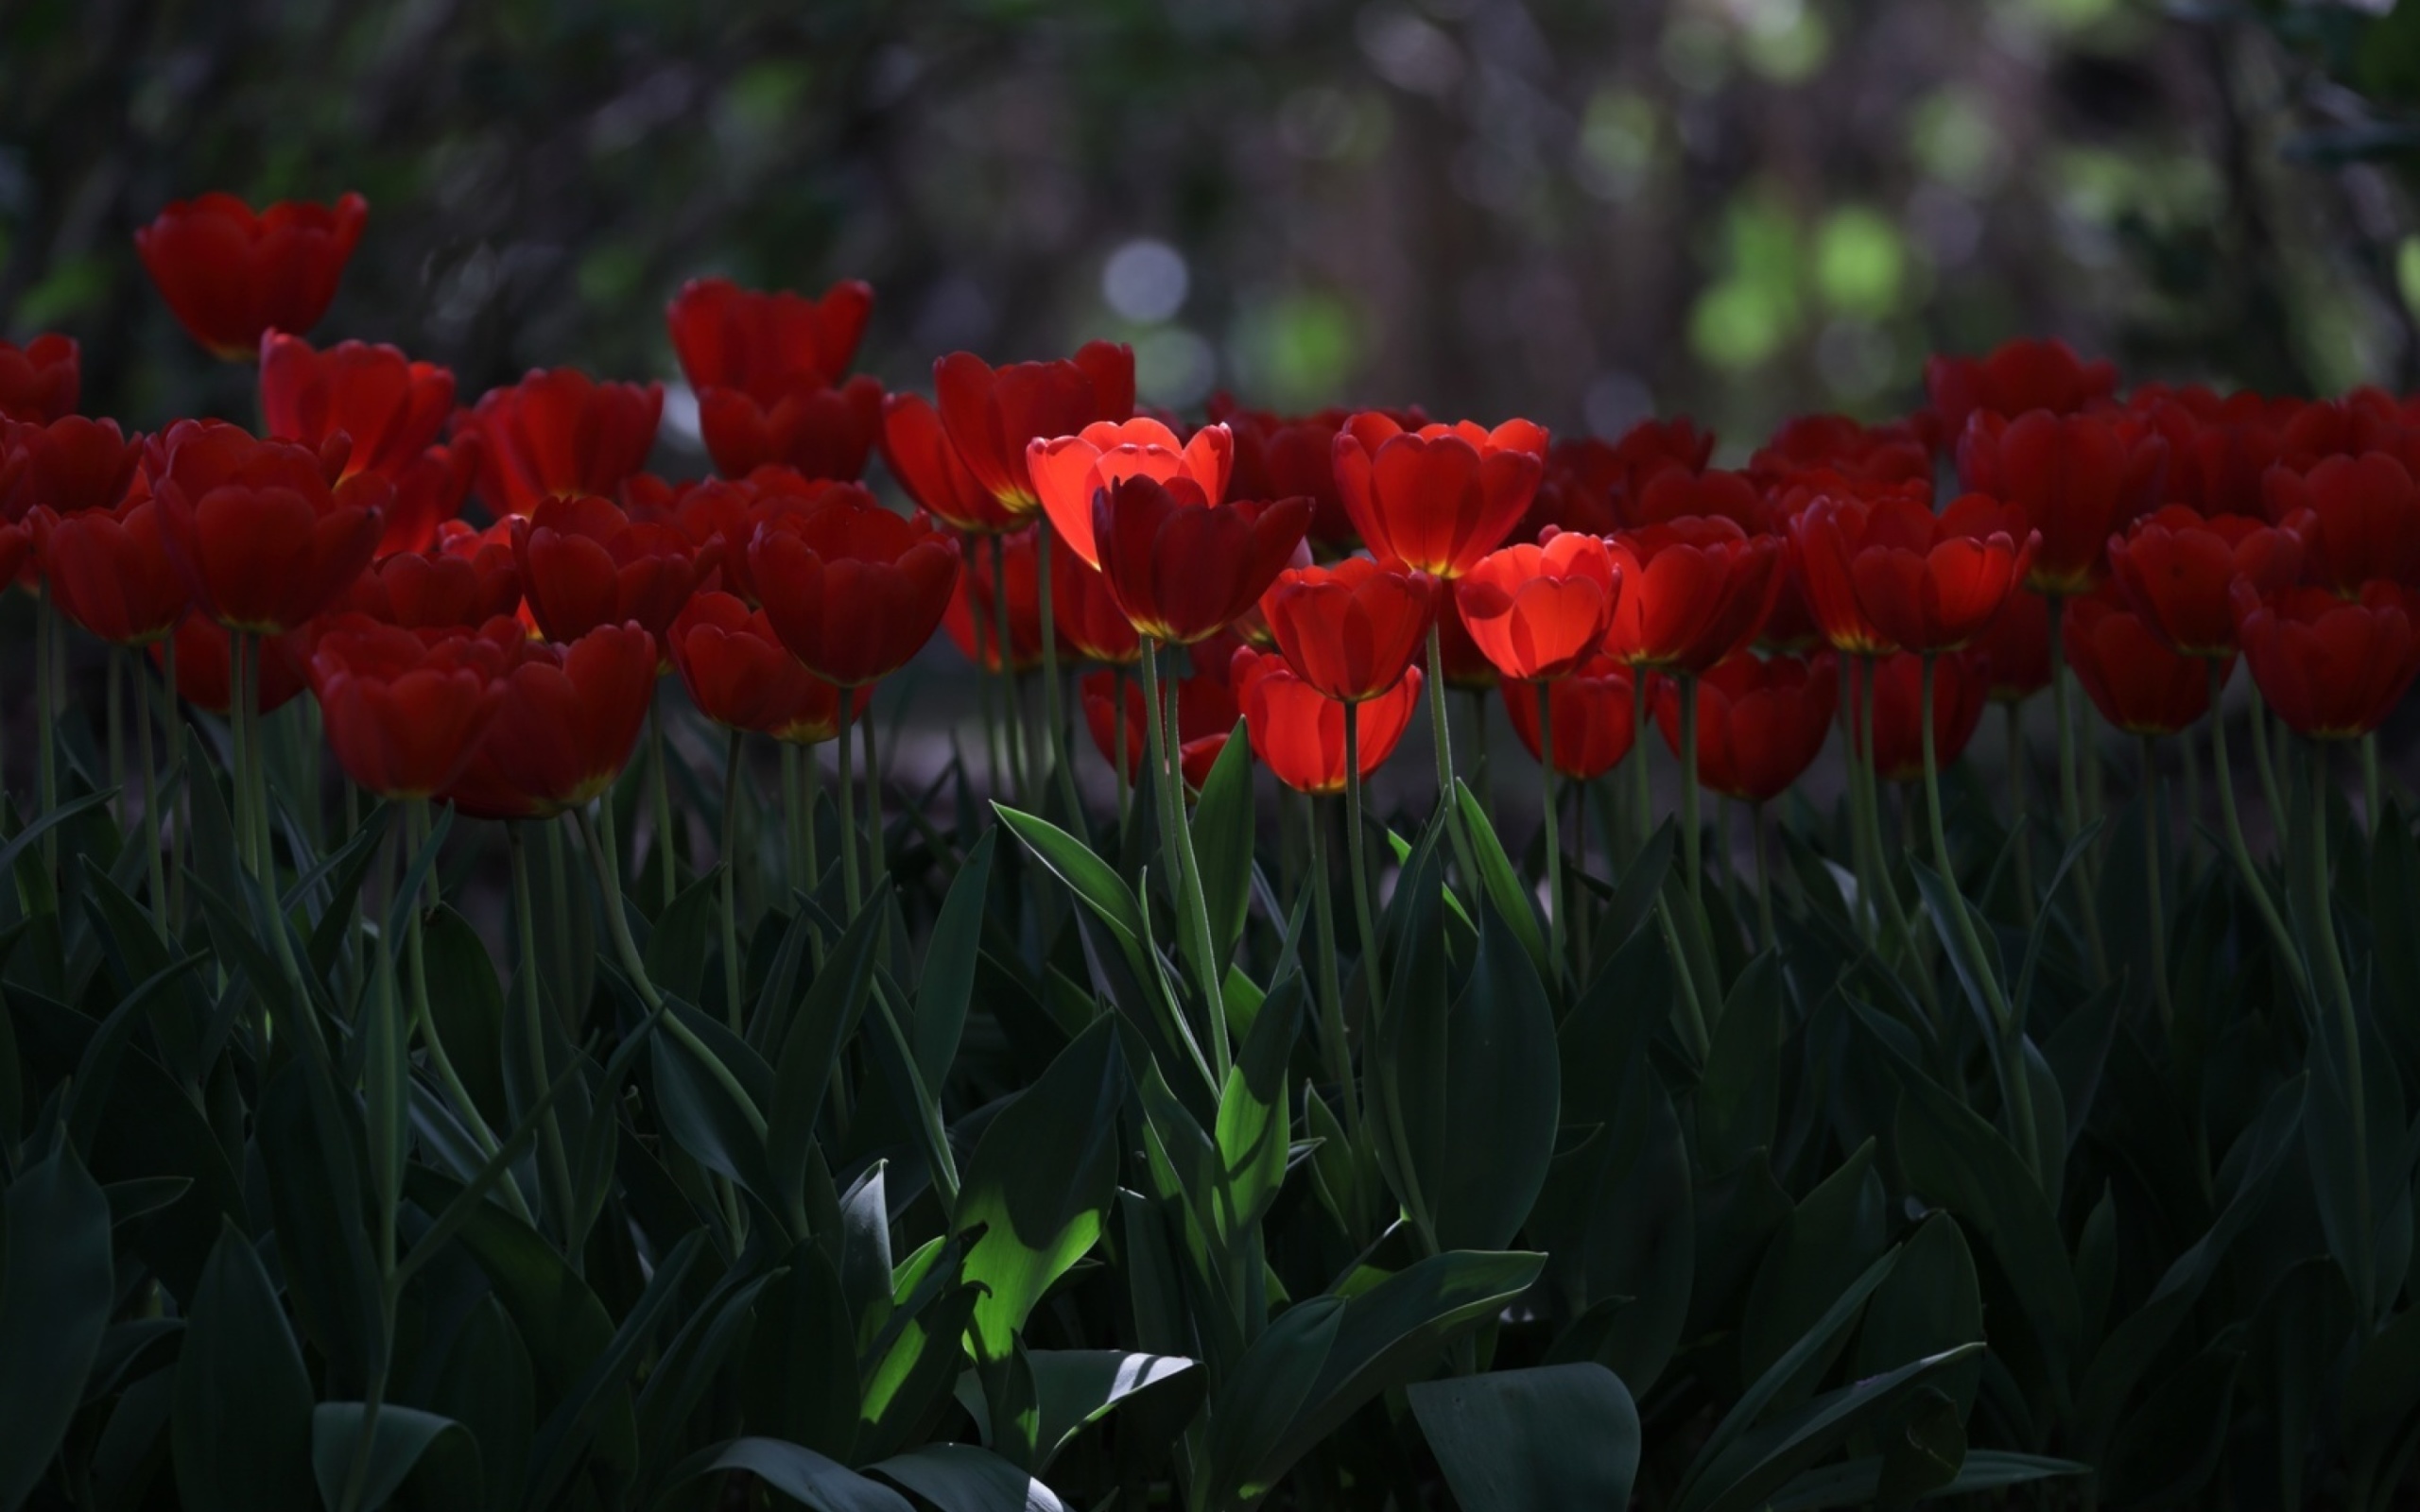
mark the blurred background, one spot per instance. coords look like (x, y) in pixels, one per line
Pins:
(1579, 213)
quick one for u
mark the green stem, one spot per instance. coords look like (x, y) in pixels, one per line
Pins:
(877, 859)
(114, 722)
(1333, 1043)
(1356, 857)
(1125, 783)
(558, 906)
(851, 890)
(150, 836)
(2373, 786)
(1899, 937)
(972, 564)
(730, 885)
(811, 795)
(46, 720)
(793, 854)
(554, 1167)
(2223, 776)
(2071, 791)
(1454, 830)
(1581, 951)
(1481, 768)
(2256, 714)
(1193, 918)
(1691, 842)
(2330, 968)
(1016, 733)
(2013, 722)
(2155, 821)
(1050, 690)
(1869, 912)
(175, 732)
(424, 1018)
(1548, 830)
(1642, 797)
(660, 795)
(1764, 876)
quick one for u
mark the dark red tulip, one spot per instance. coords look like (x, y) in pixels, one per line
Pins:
(40, 381)
(1349, 629)
(2013, 652)
(566, 725)
(585, 564)
(109, 572)
(1828, 449)
(1435, 499)
(1924, 581)
(202, 665)
(1538, 613)
(1182, 568)
(1091, 625)
(1575, 490)
(2361, 421)
(2138, 684)
(1693, 591)
(2217, 446)
(392, 409)
(2178, 570)
(2363, 520)
(2013, 378)
(469, 578)
(972, 621)
(561, 434)
(992, 414)
(1294, 456)
(766, 344)
(823, 432)
(720, 516)
(741, 677)
(1205, 717)
(1958, 688)
(1761, 722)
(262, 532)
(1068, 471)
(1713, 493)
(68, 466)
(1646, 451)
(231, 275)
(405, 712)
(1595, 719)
(2079, 479)
(851, 589)
(920, 456)
(2331, 669)
(1298, 732)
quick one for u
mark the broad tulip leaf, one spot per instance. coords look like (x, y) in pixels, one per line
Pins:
(1738, 1099)
(401, 1441)
(1502, 884)
(55, 1302)
(1502, 1082)
(601, 1394)
(486, 1386)
(241, 1424)
(1076, 1388)
(1091, 879)
(2164, 1454)
(1931, 1301)
(684, 937)
(800, 1474)
(1752, 1468)
(1835, 1232)
(468, 1005)
(947, 983)
(1223, 826)
(1266, 1390)
(1855, 1483)
(834, 1003)
(964, 1478)
(1545, 1440)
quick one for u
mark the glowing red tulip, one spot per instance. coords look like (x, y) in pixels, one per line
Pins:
(1539, 612)
(1693, 591)
(1091, 625)
(1436, 499)
(392, 409)
(1924, 582)
(404, 712)
(263, 536)
(741, 677)
(992, 415)
(561, 434)
(1182, 568)
(1349, 629)
(1298, 732)
(920, 456)
(585, 563)
(1285, 458)
(1761, 722)
(853, 590)
(1595, 719)
(230, 275)
(1068, 471)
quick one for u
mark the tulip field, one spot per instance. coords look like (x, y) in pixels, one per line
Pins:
(494, 1020)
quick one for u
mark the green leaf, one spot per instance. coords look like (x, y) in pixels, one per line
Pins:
(468, 1005)
(1076, 1388)
(307, 1136)
(241, 1423)
(1503, 1081)
(1747, 1474)
(1253, 1135)
(2166, 1453)
(799, 1377)
(1545, 1440)
(1923, 1455)
(55, 1300)
(486, 1386)
(835, 1000)
(684, 937)
(1266, 1390)
(1092, 880)
(1224, 827)
(602, 1393)
(1739, 1097)
(947, 982)
(1502, 885)
(1856, 1481)
(401, 1439)
(800, 1474)
(1041, 1182)
(962, 1478)
(1835, 1232)
(699, 1112)
(1931, 1301)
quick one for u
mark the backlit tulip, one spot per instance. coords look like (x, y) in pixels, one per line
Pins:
(1539, 612)
(202, 665)
(404, 712)
(1182, 569)
(1205, 717)
(973, 620)
(561, 434)
(992, 414)
(1761, 722)
(741, 677)
(2178, 570)
(40, 381)
(1693, 591)
(1594, 718)
(760, 344)
(1278, 457)
(392, 409)
(1091, 625)
(261, 533)
(1465, 664)
(2013, 652)
(2332, 669)
(1298, 732)
(467, 580)
(1435, 499)
(920, 457)
(1349, 629)
(851, 589)
(2077, 478)
(823, 432)
(2138, 684)
(1067, 471)
(109, 572)
(70, 465)
(230, 274)
(2013, 378)
(566, 725)
(585, 564)
(1959, 687)
(1924, 581)
(2359, 518)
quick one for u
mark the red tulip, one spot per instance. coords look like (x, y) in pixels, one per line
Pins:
(1958, 686)
(1436, 499)
(1539, 612)
(992, 415)
(70, 465)
(1298, 732)
(1674, 493)
(2364, 420)
(568, 721)
(391, 408)
(741, 677)
(202, 665)
(720, 516)
(2078, 478)
(109, 572)
(1826, 449)
(1576, 491)
(1595, 719)
(2178, 570)
(973, 619)
(261, 532)
(405, 713)
(2137, 683)
(468, 579)
(2332, 670)
(2218, 447)
(764, 344)
(1205, 717)
(823, 433)
(920, 456)
(1091, 625)
(231, 275)
(2013, 378)
(561, 434)
(2013, 652)
(1693, 591)
(2363, 520)
(1349, 629)
(1459, 656)
(585, 563)
(1283, 457)
(40, 381)
(1761, 722)
(1067, 471)
(1645, 452)
(1926, 581)
(853, 590)
(1182, 568)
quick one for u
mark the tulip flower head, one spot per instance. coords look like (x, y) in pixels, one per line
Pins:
(109, 572)
(2178, 571)
(992, 415)
(566, 725)
(585, 564)
(67, 466)
(2078, 479)
(469, 578)
(1761, 722)
(1067, 471)
(2332, 669)
(741, 677)
(2016, 377)
(404, 711)
(265, 534)
(1923, 582)
(2140, 685)
(851, 589)
(1693, 591)
(1298, 732)
(1349, 629)
(1181, 568)
(1091, 625)
(231, 275)
(763, 344)
(395, 412)
(2358, 518)
(1439, 498)
(561, 434)
(1537, 612)
(40, 381)
(1594, 716)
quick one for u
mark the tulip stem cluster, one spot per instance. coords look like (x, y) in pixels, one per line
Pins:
(1550, 829)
